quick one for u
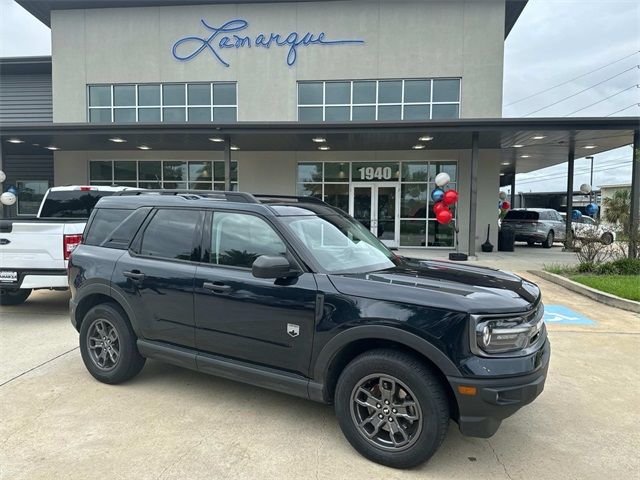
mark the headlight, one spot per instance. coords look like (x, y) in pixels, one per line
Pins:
(495, 335)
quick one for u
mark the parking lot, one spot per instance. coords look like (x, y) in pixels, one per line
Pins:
(58, 422)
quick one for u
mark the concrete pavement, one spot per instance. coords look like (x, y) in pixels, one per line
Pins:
(57, 422)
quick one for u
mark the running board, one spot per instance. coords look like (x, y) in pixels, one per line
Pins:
(264, 377)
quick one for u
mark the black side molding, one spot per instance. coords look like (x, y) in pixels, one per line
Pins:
(257, 375)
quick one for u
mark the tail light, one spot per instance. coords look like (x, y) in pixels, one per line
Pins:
(69, 242)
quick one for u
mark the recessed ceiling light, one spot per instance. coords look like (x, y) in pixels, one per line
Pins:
(234, 147)
(117, 140)
(525, 156)
(538, 137)
(51, 147)
(425, 138)
(144, 147)
(502, 174)
(318, 139)
(216, 139)
(324, 148)
(589, 147)
(418, 146)
(15, 140)
(518, 146)
(505, 163)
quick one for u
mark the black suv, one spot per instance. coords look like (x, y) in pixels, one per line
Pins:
(291, 294)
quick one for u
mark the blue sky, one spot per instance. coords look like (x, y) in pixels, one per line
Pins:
(554, 41)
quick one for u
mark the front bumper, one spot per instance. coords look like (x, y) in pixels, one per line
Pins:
(481, 414)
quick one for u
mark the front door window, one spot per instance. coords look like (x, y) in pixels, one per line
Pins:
(375, 206)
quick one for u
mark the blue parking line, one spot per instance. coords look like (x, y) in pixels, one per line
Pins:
(561, 315)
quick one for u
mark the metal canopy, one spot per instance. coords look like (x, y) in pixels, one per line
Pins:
(524, 144)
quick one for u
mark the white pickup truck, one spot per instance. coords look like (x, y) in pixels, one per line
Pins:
(34, 252)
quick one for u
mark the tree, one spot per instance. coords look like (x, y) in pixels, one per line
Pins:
(617, 209)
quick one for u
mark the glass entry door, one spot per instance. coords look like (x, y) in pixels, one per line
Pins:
(375, 205)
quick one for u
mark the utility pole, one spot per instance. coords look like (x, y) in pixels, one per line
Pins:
(591, 180)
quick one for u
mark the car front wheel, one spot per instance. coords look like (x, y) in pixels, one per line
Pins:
(108, 345)
(392, 408)
(14, 296)
(606, 238)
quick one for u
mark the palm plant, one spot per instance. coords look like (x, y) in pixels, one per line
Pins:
(617, 209)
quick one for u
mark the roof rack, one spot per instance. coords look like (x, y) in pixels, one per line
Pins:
(239, 197)
(288, 198)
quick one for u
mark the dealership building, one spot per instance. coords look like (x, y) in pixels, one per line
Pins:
(361, 103)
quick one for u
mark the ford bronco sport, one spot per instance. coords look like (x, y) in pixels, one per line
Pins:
(291, 294)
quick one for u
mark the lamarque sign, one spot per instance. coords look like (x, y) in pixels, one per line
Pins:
(222, 38)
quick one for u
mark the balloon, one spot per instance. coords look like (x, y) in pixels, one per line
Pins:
(8, 198)
(3, 177)
(576, 215)
(585, 188)
(439, 207)
(444, 216)
(442, 179)
(502, 196)
(450, 197)
(591, 209)
(437, 194)
(505, 205)
(12, 189)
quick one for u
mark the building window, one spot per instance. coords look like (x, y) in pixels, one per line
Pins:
(331, 181)
(168, 103)
(170, 174)
(30, 195)
(384, 100)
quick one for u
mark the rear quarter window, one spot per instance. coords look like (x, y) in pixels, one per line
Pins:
(71, 203)
(114, 228)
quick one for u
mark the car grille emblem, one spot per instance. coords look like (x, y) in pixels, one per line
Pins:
(293, 330)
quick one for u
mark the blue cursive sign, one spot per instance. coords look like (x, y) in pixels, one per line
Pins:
(223, 37)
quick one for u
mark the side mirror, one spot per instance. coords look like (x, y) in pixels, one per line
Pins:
(273, 266)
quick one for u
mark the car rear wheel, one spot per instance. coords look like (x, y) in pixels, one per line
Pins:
(392, 408)
(14, 296)
(548, 242)
(108, 345)
(606, 238)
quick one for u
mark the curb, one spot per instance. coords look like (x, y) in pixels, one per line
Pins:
(592, 293)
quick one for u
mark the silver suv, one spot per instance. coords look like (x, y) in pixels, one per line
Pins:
(535, 225)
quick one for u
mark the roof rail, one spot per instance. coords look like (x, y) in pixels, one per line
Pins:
(288, 198)
(239, 197)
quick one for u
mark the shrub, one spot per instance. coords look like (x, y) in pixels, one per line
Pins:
(586, 267)
(626, 266)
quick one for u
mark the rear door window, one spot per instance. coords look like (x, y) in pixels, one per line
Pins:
(171, 234)
(521, 215)
(71, 203)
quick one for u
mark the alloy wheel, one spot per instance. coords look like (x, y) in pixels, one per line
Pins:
(386, 412)
(103, 344)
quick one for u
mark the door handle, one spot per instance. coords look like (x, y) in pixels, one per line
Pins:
(216, 287)
(4, 241)
(135, 275)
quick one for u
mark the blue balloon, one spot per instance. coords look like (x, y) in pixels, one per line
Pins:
(437, 195)
(591, 209)
(576, 215)
(12, 189)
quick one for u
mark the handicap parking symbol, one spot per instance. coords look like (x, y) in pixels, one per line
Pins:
(561, 315)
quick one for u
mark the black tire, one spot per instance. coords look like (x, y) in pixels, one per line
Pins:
(606, 238)
(128, 361)
(14, 296)
(531, 243)
(423, 385)
(548, 242)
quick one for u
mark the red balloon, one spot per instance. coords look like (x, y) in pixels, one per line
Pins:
(450, 197)
(506, 205)
(439, 207)
(444, 216)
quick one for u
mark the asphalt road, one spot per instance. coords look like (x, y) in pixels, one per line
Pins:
(57, 422)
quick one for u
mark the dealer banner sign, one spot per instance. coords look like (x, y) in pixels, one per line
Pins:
(218, 39)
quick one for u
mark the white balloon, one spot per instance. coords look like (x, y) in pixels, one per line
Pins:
(502, 196)
(8, 198)
(585, 188)
(3, 177)
(442, 179)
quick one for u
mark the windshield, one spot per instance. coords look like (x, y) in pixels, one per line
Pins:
(340, 244)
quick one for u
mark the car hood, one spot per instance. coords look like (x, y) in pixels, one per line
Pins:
(442, 284)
